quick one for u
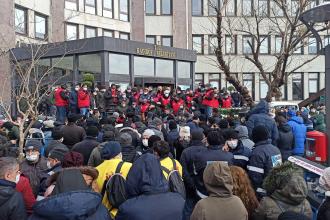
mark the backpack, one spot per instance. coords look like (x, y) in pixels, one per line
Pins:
(175, 181)
(115, 188)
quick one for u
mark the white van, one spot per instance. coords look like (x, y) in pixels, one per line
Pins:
(290, 105)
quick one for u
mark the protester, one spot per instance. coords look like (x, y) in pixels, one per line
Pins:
(243, 136)
(221, 202)
(72, 133)
(73, 159)
(57, 142)
(55, 160)
(286, 140)
(129, 152)
(73, 100)
(145, 140)
(84, 101)
(324, 182)
(299, 131)
(23, 186)
(61, 102)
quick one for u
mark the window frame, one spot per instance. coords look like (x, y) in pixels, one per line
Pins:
(26, 17)
(161, 8)
(202, 9)
(125, 33)
(164, 37)
(268, 8)
(245, 36)
(108, 30)
(301, 48)
(88, 5)
(151, 36)
(73, 1)
(66, 31)
(202, 43)
(89, 27)
(275, 48)
(235, 44)
(268, 45)
(218, 2)
(46, 25)
(198, 80)
(150, 14)
(235, 9)
(313, 78)
(210, 46)
(107, 9)
(252, 91)
(309, 45)
(124, 13)
(302, 86)
(251, 9)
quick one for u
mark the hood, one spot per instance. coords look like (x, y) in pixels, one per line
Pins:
(68, 206)
(7, 190)
(218, 180)
(242, 131)
(261, 107)
(146, 177)
(285, 128)
(297, 119)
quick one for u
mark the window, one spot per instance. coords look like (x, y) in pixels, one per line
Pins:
(108, 8)
(247, 7)
(144, 66)
(299, 48)
(167, 41)
(214, 6)
(119, 64)
(150, 7)
(90, 63)
(214, 80)
(263, 86)
(213, 44)
(164, 68)
(197, 7)
(326, 40)
(71, 4)
(297, 86)
(277, 10)
(150, 39)
(199, 79)
(231, 8)
(90, 6)
(248, 82)
(71, 31)
(294, 7)
(263, 9)
(184, 70)
(198, 43)
(20, 20)
(247, 45)
(90, 32)
(40, 26)
(312, 45)
(278, 44)
(108, 33)
(124, 36)
(264, 45)
(313, 83)
(124, 10)
(166, 7)
(230, 47)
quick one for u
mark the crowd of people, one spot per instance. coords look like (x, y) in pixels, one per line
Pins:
(161, 155)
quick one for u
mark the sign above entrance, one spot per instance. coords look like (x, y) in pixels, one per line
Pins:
(157, 51)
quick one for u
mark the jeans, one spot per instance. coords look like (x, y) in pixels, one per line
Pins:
(84, 111)
(209, 111)
(60, 113)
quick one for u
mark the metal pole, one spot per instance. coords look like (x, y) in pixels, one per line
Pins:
(327, 97)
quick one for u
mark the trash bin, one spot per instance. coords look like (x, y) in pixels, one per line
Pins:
(316, 146)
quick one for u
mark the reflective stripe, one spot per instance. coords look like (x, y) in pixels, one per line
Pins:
(201, 195)
(261, 190)
(241, 157)
(255, 169)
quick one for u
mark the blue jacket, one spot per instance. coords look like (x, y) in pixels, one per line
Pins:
(241, 155)
(73, 205)
(148, 193)
(172, 137)
(73, 98)
(299, 131)
(259, 116)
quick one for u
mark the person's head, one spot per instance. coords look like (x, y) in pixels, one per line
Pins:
(125, 139)
(108, 136)
(197, 135)
(213, 138)
(73, 118)
(146, 135)
(55, 156)
(113, 86)
(280, 120)
(85, 87)
(146, 90)
(260, 133)
(73, 159)
(161, 149)
(312, 109)
(223, 124)
(92, 131)
(157, 122)
(111, 150)
(57, 134)
(243, 188)
(291, 113)
(325, 179)
(32, 150)
(77, 87)
(63, 86)
(184, 133)
(167, 93)
(9, 169)
(153, 139)
(231, 137)
(172, 125)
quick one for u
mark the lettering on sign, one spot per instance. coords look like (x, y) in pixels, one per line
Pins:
(157, 51)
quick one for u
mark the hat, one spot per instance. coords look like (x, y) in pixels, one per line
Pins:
(49, 124)
(230, 134)
(242, 131)
(172, 125)
(260, 133)
(73, 117)
(57, 133)
(125, 139)
(223, 124)
(153, 139)
(157, 122)
(57, 153)
(197, 135)
(325, 179)
(58, 123)
(115, 115)
(92, 131)
(73, 159)
(110, 150)
(33, 144)
(108, 136)
(291, 113)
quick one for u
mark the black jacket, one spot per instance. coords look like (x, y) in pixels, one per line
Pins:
(129, 153)
(86, 147)
(11, 202)
(72, 134)
(241, 155)
(55, 144)
(324, 210)
(285, 141)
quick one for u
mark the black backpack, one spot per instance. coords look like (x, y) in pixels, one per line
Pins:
(115, 188)
(174, 180)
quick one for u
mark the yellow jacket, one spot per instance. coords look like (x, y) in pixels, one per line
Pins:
(167, 163)
(107, 169)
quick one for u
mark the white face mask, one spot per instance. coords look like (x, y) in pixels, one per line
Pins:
(166, 95)
(48, 165)
(145, 142)
(32, 157)
(232, 144)
(17, 178)
(85, 89)
(77, 89)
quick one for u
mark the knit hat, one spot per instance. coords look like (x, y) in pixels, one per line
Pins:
(325, 179)
(125, 139)
(33, 144)
(110, 150)
(153, 139)
(48, 124)
(157, 122)
(172, 125)
(73, 159)
(92, 131)
(197, 135)
(291, 215)
(260, 133)
(57, 153)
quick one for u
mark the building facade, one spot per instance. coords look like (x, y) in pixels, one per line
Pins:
(186, 24)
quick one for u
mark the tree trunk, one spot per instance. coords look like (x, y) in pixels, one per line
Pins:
(21, 141)
(243, 90)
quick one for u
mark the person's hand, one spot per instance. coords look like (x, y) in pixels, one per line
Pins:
(225, 147)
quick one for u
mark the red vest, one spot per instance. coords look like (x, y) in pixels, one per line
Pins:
(144, 107)
(226, 103)
(165, 101)
(83, 99)
(59, 101)
(176, 105)
(189, 99)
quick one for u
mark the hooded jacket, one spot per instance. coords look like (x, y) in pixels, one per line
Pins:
(221, 203)
(148, 192)
(243, 136)
(259, 116)
(319, 122)
(11, 202)
(324, 210)
(286, 141)
(86, 147)
(299, 131)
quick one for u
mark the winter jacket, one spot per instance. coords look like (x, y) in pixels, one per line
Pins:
(36, 173)
(148, 193)
(72, 205)
(212, 153)
(285, 141)
(107, 169)
(100, 101)
(111, 98)
(23, 186)
(324, 210)
(168, 164)
(86, 147)
(264, 157)
(299, 131)
(95, 158)
(72, 134)
(221, 204)
(55, 144)
(61, 98)
(241, 155)
(172, 137)
(73, 99)
(259, 116)
(319, 122)
(243, 136)
(226, 103)
(84, 100)
(237, 99)
(177, 105)
(11, 202)
(129, 153)
(291, 198)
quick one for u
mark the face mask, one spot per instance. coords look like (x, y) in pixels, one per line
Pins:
(76, 88)
(225, 96)
(48, 165)
(103, 90)
(145, 142)
(232, 144)
(85, 89)
(32, 157)
(166, 95)
(17, 178)
(146, 93)
(313, 110)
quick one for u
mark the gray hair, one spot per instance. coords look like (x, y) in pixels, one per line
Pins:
(7, 164)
